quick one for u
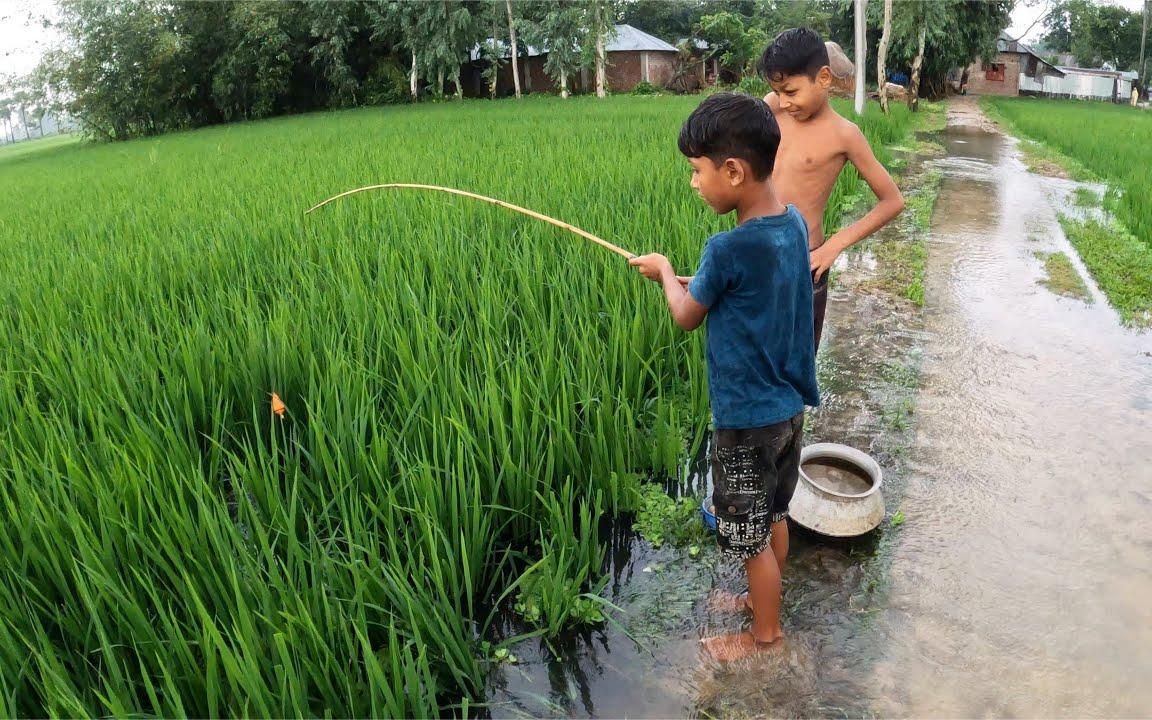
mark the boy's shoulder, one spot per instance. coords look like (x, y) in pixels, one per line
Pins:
(768, 229)
(841, 127)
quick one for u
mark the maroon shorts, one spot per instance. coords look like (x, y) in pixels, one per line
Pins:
(819, 305)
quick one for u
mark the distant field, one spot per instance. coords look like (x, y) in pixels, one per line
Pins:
(468, 391)
(27, 148)
(1114, 143)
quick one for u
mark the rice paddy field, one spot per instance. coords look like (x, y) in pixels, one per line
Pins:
(468, 393)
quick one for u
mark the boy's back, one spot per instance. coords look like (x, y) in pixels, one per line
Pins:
(755, 280)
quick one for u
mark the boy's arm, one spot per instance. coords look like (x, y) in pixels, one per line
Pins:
(890, 202)
(687, 313)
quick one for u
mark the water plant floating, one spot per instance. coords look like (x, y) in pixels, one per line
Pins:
(483, 198)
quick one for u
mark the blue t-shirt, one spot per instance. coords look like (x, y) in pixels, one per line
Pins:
(756, 283)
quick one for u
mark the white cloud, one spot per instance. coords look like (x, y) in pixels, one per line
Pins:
(23, 37)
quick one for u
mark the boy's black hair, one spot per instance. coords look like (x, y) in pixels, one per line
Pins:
(732, 125)
(799, 51)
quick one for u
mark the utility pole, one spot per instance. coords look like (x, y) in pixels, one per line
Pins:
(862, 55)
(1143, 40)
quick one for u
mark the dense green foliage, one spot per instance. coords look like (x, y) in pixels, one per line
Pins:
(132, 68)
(1094, 33)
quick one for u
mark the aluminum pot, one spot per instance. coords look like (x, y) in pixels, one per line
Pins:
(833, 512)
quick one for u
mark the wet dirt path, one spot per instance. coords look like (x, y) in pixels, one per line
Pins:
(1022, 583)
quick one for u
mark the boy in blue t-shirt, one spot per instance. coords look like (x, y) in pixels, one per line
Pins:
(754, 286)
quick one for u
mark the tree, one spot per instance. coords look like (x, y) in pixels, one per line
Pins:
(957, 32)
(669, 20)
(736, 41)
(563, 32)
(914, 24)
(882, 56)
(515, 49)
(1095, 34)
(601, 20)
(6, 111)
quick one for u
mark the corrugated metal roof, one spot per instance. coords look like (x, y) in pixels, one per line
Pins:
(625, 39)
(629, 39)
(1005, 43)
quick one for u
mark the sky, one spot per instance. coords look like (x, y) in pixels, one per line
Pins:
(23, 39)
(1027, 12)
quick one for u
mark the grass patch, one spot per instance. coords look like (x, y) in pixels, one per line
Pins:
(1060, 276)
(932, 117)
(1085, 197)
(1120, 264)
(930, 148)
(901, 255)
(1044, 160)
(662, 519)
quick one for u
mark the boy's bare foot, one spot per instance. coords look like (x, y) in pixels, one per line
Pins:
(727, 648)
(724, 601)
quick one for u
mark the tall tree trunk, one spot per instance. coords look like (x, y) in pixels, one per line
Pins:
(914, 86)
(602, 25)
(440, 83)
(456, 82)
(861, 54)
(563, 82)
(515, 50)
(413, 87)
(24, 122)
(882, 57)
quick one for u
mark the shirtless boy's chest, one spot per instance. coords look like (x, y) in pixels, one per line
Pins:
(811, 161)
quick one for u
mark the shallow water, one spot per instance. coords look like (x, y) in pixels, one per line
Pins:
(1021, 582)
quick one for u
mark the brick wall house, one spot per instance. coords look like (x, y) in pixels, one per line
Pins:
(633, 57)
(1014, 63)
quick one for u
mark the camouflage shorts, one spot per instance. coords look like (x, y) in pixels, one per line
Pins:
(754, 474)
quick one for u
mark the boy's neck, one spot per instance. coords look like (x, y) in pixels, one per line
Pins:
(760, 202)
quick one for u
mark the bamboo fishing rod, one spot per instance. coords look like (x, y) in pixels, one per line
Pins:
(493, 201)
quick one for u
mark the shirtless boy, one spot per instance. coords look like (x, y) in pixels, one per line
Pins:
(815, 144)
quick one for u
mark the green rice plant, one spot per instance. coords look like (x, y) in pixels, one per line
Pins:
(467, 392)
(1120, 263)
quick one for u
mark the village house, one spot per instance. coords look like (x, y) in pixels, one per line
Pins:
(1015, 67)
(633, 55)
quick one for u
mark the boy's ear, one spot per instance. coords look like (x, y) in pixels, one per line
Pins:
(824, 77)
(734, 171)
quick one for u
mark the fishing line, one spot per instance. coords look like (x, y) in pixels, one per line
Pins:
(499, 203)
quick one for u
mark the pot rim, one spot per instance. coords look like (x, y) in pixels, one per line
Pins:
(849, 454)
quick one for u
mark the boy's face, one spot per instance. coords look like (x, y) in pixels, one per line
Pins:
(801, 96)
(718, 185)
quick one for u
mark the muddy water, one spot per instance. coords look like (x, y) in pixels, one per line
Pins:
(1022, 583)
(837, 476)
